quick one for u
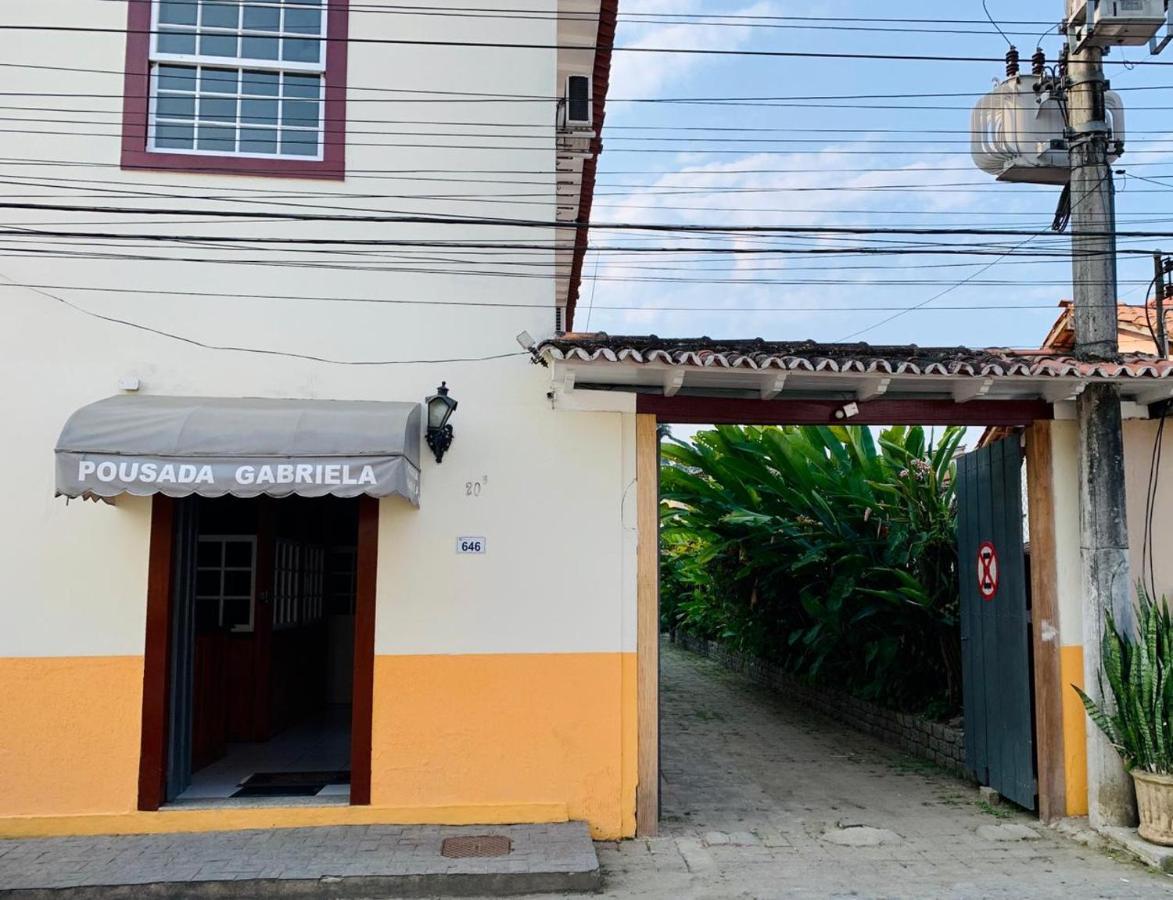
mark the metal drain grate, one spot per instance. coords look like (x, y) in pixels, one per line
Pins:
(476, 846)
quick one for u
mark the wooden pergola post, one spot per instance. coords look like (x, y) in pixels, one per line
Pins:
(647, 473)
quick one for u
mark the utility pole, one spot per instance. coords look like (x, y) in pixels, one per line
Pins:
(1107, 581)
(1159, 295)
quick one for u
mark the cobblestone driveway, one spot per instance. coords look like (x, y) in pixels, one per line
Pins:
(761, 799)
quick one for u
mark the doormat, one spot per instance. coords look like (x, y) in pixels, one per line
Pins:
(289, 784)
(308, 790)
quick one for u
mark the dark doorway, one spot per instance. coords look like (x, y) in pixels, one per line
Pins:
(262, 649)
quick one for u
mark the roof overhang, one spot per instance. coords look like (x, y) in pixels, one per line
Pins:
(586, 34)
(834, 375)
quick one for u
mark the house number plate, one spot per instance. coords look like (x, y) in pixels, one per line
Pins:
(470, 545)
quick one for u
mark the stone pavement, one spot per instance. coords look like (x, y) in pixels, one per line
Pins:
(348, 861)
(762, 799)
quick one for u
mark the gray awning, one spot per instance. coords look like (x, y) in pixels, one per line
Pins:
(214, 446)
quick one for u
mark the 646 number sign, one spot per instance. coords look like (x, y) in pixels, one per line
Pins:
(474, 545)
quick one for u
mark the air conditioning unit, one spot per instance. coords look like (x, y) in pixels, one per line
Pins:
(1018, 132)
(1108, 23)
(574, 110)
(576, 133)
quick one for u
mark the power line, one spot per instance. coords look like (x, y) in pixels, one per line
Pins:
(512, 45)
(678, 18)
(514, 305)
(500, 222)
(974, 275)
(138, 326)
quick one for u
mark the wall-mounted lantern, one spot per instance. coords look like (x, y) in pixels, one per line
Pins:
(440, 410)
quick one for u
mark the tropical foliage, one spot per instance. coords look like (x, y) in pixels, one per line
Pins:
(1139, 672)
(823, 550)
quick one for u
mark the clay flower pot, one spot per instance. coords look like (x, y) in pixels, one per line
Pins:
(1154, 802)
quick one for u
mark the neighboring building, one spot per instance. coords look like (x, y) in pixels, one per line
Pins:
(1136, 326)
(143, 637)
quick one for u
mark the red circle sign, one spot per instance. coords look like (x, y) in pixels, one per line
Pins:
(987, 570)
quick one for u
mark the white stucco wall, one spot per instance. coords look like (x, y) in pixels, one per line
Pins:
(559, 572)
(1139, 435)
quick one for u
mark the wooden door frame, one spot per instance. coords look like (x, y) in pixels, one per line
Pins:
(1044, 581)
(647, 474)
(1045, 677)
(157, 654)
(152, 776)
(363, 691)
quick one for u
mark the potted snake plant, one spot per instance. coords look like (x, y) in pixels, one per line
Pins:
(1139, 721)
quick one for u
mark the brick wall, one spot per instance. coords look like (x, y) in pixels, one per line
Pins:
(932, 741)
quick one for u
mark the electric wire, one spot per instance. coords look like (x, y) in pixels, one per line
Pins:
(639, 50)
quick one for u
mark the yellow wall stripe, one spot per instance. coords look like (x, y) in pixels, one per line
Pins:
(1074, 730)
(69, 734)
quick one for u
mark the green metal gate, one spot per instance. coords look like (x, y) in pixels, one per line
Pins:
(995, 622)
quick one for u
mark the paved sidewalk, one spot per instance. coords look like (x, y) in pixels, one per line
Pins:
(349, 861)
(762, 799)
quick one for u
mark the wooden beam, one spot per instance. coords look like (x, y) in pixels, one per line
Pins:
(1062, 391)
(1048, 685)
(971, 389)
(773, 384)
(362, 710)
(872, 388)
(1163, 391)
(673, 381)
(152, 774)
(692, 410)
(647, 473)
(565, 384)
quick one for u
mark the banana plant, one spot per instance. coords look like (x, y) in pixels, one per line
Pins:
(823, 549)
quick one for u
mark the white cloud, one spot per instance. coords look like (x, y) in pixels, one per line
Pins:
(646, 75)
(739, 192)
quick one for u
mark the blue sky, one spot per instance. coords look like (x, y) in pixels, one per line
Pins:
(923, 148)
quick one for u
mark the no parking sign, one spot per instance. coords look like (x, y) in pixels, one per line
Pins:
(987, 570)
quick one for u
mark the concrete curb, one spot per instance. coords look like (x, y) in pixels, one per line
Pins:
(1118, 838)
(500, 884)
(323, 862)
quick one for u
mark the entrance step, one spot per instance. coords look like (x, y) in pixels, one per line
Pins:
(348, 861)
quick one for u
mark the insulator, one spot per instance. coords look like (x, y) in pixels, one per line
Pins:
(1012, 62)
(1038, 62)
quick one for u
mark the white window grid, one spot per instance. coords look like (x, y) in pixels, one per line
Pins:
(238, 66)
(221, 596)
(299, 578)
(342, 579)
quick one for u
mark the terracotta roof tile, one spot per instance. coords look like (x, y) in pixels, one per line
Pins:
(811, 356)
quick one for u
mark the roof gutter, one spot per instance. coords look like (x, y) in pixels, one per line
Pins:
(604, 42)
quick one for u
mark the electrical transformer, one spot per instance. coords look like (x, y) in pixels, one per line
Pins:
(1018, 132)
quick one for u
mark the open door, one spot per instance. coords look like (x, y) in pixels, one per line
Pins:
(182, 655)
(260, 650)
(995, 622)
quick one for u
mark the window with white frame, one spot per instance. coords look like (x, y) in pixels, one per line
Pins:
(225, 582)
(229, 77)
(299, 572)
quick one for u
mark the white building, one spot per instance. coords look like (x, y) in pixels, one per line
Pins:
(215, 200)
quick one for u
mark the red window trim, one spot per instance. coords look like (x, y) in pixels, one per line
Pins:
(136, 105)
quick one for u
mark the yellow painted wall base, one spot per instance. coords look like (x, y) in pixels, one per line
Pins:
(509, 729)
(237, 819)
(69, 734)
(1074, 730)
(473, 739)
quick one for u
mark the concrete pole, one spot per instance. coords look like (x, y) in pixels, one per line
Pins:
(1107, 581)
(1159, 296)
